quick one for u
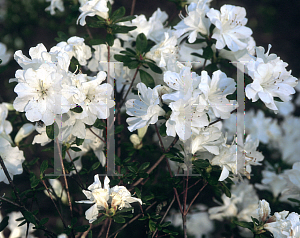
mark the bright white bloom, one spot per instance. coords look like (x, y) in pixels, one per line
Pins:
(278, 225)
(226, 159)
(161, 52)
(230, 27)
(92, 8)
(13, 159)
(37, 92)
(4, 55)
(153, 29)
(229, 209)
(263, 210)
(184, 83)
(145, 110)
(293, 181)
(98, 196)
(215, 91)
(75, 47)
(24, 131)
(5, 125)
(195, 22)
(136, 139)
(122, 197)
(55, 4)
(285, 108)
(178, 122)
(270, 79)
(16, 230)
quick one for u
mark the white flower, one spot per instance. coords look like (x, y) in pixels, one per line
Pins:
(178, 122)
(98, 196)
(37, 92)
(263, 210)
(278, 224)
(230, 27)
(16, 230)
(161, 52)
(270, 79)
(184, 83)
(92, 8)
(5, 125)
(145, 110)
(229, 209)
(12, 158)
(24, 131)
(195, 22)
(55, 4)
(75, 47)
(122, 197)
(215, 91)
(4, 55)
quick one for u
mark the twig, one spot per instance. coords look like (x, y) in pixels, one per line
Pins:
(132, 7)
(66, 182)
(81, 183)
(62, 219)
(196, 197)
(220, 119)
(103, 228)
(109, 224)
(132, 220)
(87, 231)
(88, 31)
(159, 137)
(166, 213)
(97, 135)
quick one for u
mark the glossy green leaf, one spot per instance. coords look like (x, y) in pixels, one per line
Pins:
(147, 79)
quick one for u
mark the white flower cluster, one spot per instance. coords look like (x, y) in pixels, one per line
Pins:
(118, 197)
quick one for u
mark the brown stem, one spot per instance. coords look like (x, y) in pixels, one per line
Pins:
(166, 213)
(88, 31)
(103, 228)
(184, 225)
(50, 195)
(132, 220)
(191, 186)
(220, 119)
(134, 76)
(203, 67)
(97, 135)
(196, 197)
(66, 182)
(81, 183)
(132, 7)
(156, 163)
(159, 137)
(109, 224)
(87, 231)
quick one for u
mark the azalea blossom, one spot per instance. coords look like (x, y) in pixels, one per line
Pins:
(145, 110)
(5, 56)
(263, 210)
(98, 196)
(121, 197)
(55, 4)
(230, 27)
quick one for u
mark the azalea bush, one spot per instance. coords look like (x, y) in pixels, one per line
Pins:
(167, 126)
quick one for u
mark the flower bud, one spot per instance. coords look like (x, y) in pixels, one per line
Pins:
(24, 131)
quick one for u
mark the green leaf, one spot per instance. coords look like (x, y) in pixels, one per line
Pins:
(129, 209)
(122, 29)
(99, 124)
(29, 217)
(96, 24)
(138, 192)
(43, 167)
(77, 109)
(133, 64)
(109, 6)
(148, 197)
(143, 218)
(76, 149)
(131, 51)
(61, 36)
(90, 234)
(50, 130)
(81, 228)
(277, 99)
(200, 163)
(197, 55)
(95, 166)
(144, 166)
(119, 219)
(118, 14)
(34, 181)
(73, 221)
(170, 232)
(119, 129)
(110, 39)
(96, 42)
(147, 79)
(4, 223)
(226, 190)
(154, 68)
(122, 58)
(152, 225)
(163, 130)
(208, 52)
(244, 224)
(102, 218)
(43, 221)
(128, 53)
(127, 18)
(143, 175)
(294, 200)
(133, 169)
(166, 224)
(79, 141)
(141, 43)
(22, 223)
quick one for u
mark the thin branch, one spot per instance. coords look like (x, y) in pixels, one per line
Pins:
(103, 228)
(88, 31)
(196, 197)
(132, 7)
(159, 137)
(62, 219)
(109, 224)
(134, 76)
(132, 220)
(81, 183)
(166, 213)
(97, 135)
(220, 119)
